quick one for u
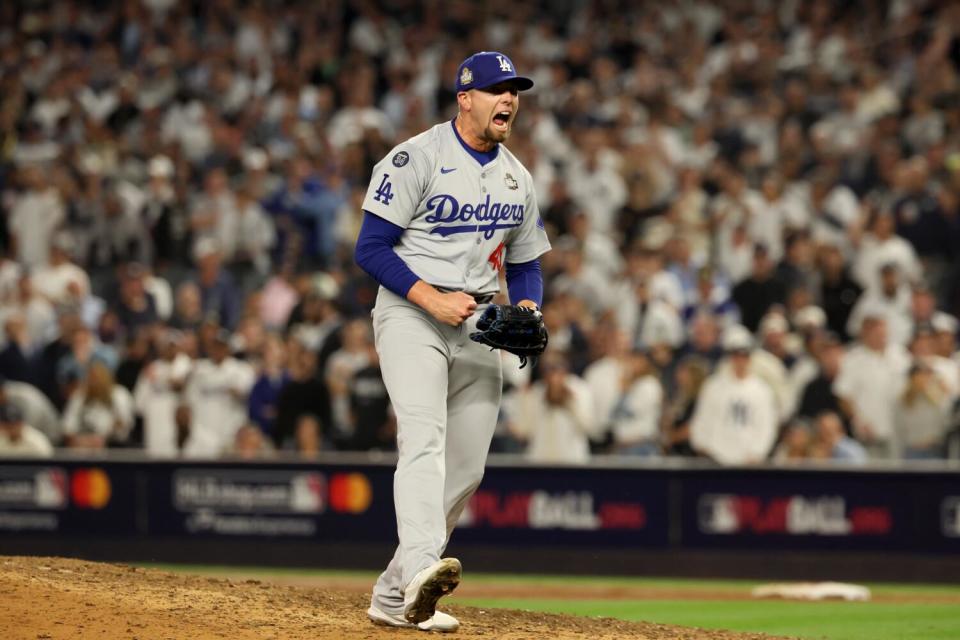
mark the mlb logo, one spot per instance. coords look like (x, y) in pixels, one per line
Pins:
(950, 517)
(717, 514)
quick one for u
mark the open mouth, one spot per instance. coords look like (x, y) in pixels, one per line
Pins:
(501, 119)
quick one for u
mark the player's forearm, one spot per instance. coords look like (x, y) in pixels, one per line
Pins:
(525, 283)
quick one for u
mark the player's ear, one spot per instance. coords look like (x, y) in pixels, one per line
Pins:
(464, 100)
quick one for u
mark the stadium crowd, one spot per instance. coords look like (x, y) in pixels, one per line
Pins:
(754, 208)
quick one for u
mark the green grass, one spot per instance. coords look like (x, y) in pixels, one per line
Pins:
(826, 621)
(832, 620)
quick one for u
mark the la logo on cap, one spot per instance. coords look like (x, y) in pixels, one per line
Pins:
(466, 76)
(504, 64)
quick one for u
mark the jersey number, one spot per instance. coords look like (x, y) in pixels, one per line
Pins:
(384, 191)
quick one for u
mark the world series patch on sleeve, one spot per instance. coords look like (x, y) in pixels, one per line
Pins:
(519, 330)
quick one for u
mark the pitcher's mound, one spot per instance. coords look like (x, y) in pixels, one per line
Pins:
(56, 598)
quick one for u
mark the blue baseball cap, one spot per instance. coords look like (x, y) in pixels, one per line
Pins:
(487, 68)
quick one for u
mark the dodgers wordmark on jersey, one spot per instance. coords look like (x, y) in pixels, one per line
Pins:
(463, 221)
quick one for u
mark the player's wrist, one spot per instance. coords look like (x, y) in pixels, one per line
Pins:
(530, 304)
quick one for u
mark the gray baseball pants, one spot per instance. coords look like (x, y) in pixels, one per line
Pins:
(445, 390)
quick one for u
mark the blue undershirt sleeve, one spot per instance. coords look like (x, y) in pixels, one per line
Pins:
(375, 255)
(525, 281)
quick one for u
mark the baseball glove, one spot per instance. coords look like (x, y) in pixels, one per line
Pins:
(519, 330)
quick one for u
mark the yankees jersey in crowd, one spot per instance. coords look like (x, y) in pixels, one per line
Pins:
(735, 421)
(216, 393)
(463, 221)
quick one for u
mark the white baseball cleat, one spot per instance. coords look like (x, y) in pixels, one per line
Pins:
(421, 595)
(440, 621)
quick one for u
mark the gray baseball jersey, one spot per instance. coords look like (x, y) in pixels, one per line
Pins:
(463, 221)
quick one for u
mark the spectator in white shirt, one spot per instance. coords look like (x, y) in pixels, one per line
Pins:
(636, 414)
(61, 281)
(217, 391)
(891, 300)
(604, 376)
(36, 214)
(871, 378)
(881, 246)
(595, 184)
(555, 415)
(157, 396)
(735, 421)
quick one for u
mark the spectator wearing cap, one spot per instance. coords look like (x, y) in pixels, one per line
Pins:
(37, 410)
(761, 290)
(870, 379)
(157, 395)
(809, 323)
(945, 328)
(921, 415)
(838, 292)
(18, 439)
(832, 442)
(100, 413)
(219, 296)
(769, 366)
(890, 300)
(218, 390)
(735, 421)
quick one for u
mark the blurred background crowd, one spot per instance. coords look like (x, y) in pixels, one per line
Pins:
(754, 208)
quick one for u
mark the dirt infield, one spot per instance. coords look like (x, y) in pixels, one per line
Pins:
(59, 599)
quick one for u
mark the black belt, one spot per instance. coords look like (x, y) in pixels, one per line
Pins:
(477, 297)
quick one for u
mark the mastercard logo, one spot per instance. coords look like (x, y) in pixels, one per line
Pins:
(350, 493)
(90, 488)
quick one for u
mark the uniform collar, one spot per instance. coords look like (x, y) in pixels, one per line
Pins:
(482, 157)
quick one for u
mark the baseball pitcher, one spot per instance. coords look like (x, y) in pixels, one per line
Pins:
(445, 212)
